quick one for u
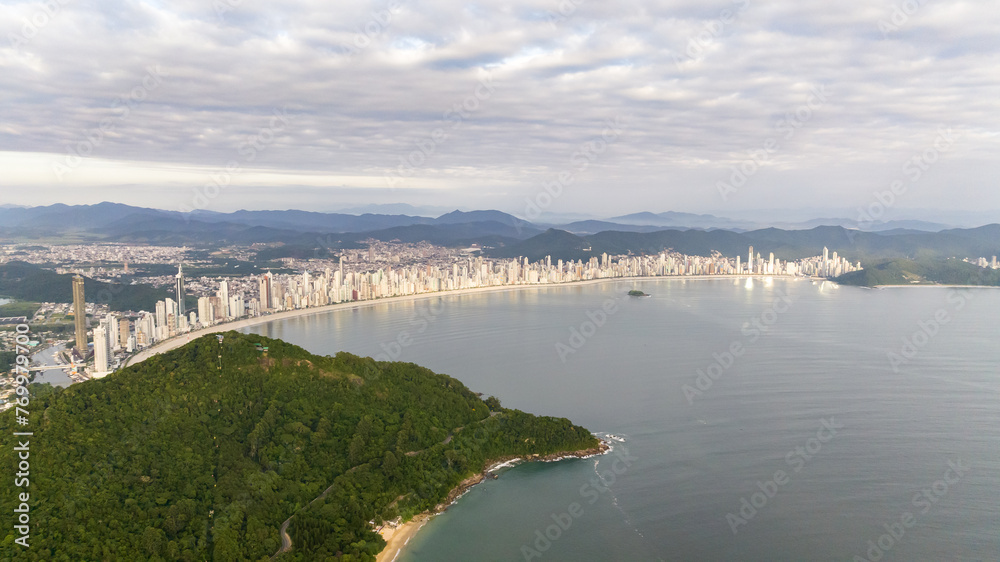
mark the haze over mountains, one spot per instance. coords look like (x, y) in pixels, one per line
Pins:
(501, 234)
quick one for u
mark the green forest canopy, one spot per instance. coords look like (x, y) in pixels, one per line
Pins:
(175, 459)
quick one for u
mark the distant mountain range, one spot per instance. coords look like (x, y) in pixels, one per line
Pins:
(501, 234)
(786, 244)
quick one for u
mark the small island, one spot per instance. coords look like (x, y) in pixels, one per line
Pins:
(637, 293)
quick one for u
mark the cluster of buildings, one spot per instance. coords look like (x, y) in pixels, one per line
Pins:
(92, 253)
(985, 263)
(117, 335)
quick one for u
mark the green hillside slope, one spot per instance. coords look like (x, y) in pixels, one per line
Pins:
(176, 459)
(926, 271)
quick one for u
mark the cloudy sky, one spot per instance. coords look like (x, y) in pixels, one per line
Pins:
(565, 106)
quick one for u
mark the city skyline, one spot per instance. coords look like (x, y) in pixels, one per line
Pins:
(263, 294)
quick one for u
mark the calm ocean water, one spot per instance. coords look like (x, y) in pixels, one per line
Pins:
(824, 431)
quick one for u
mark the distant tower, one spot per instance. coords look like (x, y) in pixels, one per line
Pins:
(750, 260)
(180, 294)
(80, 315)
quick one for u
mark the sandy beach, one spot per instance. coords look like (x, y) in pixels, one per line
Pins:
(398, 537)
(177, 341)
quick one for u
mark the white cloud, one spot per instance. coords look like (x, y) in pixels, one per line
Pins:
(366, 83)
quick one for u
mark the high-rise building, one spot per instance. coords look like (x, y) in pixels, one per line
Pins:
(236, 306)
(80, 315)
(265, 292)
(111, 325)
(123, 332)
(161, 313)
(223, 311)
(206, 312)
(101, 350)
(180, 292)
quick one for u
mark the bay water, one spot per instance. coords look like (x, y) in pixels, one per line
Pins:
(763, 419)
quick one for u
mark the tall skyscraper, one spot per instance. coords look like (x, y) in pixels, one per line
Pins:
(111, 326)
(206, 312)
(100, 350)
(161, 313)
(123, 332)
(223, 311)
(180, 292)
(265, 292)
(80, 315)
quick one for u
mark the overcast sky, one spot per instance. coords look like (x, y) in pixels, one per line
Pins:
(616, 107)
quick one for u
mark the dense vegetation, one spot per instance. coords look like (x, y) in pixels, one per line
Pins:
(175, 459)
(27, 309)
(27, 282)
(7, 359)
(922, 271)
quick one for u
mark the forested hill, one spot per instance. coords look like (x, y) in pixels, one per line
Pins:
(175, 459)
(923, 271)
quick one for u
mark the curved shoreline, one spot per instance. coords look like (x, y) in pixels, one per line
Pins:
(177, 341)
(398, 537)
